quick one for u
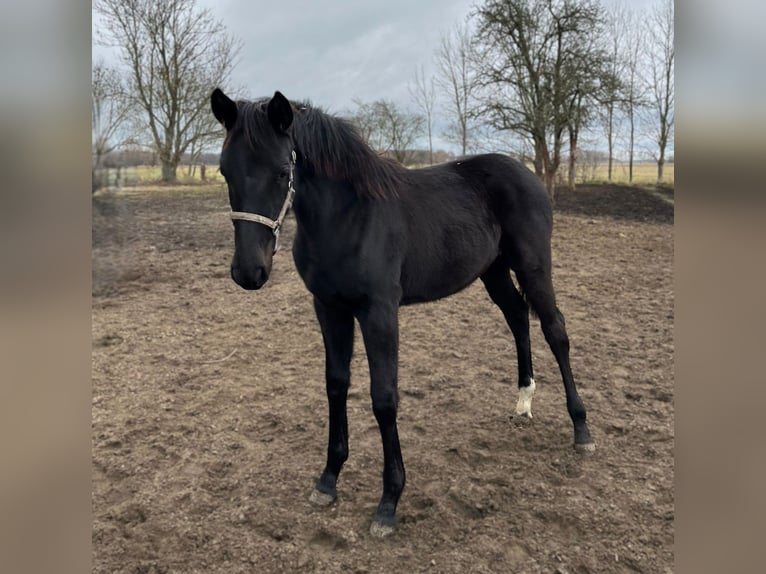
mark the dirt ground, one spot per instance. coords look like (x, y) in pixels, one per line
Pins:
(209, 412)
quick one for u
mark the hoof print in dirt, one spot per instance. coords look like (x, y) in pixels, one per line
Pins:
(522, 421)
(321, 499)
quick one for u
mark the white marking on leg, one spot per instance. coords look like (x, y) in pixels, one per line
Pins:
(524, 406)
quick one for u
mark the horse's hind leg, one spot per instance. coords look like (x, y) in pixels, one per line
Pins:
(338, 334)
(502, 291)
(535, 281)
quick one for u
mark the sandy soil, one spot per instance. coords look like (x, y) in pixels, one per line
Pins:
(209, 414)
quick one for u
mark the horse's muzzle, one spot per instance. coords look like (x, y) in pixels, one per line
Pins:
(251, 280)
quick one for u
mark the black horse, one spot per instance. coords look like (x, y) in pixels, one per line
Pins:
(371, 236)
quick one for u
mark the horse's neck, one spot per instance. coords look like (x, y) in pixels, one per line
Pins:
(319, 202)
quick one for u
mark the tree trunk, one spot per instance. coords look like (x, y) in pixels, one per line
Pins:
(95, 183)
(630, 150)
(610, 140)
(571, 174)
(430, 148)
(661, 160)
(550, 185)
(573, 160)
(552, 166)
(538, 161)
(547, 167)
(97, 173)
(168, 172)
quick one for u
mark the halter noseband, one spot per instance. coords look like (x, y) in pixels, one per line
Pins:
(274, 224)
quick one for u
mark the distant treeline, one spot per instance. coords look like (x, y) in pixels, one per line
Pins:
(137, 157)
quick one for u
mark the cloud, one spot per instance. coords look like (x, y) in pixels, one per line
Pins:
(333, 52)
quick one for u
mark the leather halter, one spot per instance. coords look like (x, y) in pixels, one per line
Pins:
(274, 224)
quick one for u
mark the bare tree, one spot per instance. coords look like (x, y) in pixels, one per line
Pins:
(617, 23)
(369, 119)
(175, 53)
(587, 80)
(661, 75)
(578, 117)
(528, 51)
(404, 128)
(423, 93)
(633, 88)
(199, 144)
(387, 128)
(110, 112)
(457, 79)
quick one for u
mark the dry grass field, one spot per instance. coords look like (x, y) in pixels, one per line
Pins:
(643, 174)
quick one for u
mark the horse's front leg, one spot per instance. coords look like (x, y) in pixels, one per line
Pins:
(379, 324)
(338, 333)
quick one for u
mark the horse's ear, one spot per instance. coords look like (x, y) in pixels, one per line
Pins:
(280, 112)
(224, 109)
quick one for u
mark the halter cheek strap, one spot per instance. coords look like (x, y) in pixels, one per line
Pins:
(274, 224)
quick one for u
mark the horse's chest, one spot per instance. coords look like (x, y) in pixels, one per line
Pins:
(353, 259)
(331, 277)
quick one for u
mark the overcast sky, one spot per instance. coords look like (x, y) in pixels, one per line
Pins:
(333, 51)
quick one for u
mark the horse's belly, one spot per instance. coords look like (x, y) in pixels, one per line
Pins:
(426, 277)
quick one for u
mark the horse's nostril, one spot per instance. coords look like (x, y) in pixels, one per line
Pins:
(260, 276)
(253, 279)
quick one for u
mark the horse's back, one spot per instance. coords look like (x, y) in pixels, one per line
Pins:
(452, 236)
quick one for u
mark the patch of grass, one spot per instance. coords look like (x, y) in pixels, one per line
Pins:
(149, 174)
(643, 173)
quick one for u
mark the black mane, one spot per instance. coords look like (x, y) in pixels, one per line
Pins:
(331, 147)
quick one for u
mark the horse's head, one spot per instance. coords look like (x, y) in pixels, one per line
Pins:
(257, 162)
